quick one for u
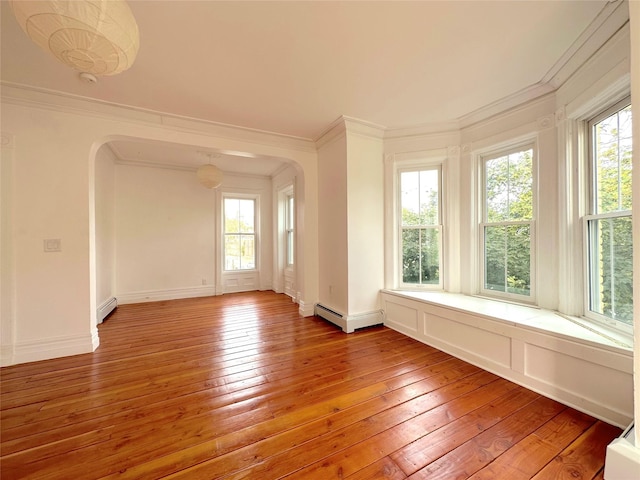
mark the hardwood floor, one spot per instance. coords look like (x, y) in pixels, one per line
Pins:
(239, 386)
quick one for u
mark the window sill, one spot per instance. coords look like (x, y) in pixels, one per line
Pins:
(528, 317)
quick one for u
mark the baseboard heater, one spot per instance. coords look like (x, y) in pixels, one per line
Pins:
(349, 323)
(106, 308)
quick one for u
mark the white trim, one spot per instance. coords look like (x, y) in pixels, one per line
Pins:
(305, 309)
(6, 355)
(17, 94)
(349, 323)
(533, 347)
(609, 20)
(166, 294)
(55, 347)
(623, 459)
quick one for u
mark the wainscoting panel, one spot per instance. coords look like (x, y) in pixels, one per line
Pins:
(585, 373)
(490, 347)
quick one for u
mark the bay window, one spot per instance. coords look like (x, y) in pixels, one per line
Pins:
(420, 229)
(507, 224)
(608, 236)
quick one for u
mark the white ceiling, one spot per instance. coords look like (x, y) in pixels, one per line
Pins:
(295, 67)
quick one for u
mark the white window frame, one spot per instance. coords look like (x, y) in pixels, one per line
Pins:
(256, 222)
(591, 200)
(418, 166)
(484, 157)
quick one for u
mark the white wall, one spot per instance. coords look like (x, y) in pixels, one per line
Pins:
(56, 139)
(165, 234)
(105, 232)
(365, 210)
(54, 301)
(333, 221)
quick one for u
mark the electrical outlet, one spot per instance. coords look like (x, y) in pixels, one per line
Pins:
(52, 245)
(204, 281)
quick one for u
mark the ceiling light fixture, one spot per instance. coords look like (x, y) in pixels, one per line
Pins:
(209, 175)
(99, 37)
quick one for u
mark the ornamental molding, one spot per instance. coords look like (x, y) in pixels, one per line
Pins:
(6, 140)
(546, 122)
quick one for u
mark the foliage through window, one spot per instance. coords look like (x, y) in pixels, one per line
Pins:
(608, 226)
(420, 231)
(507, 223)
(239, 234)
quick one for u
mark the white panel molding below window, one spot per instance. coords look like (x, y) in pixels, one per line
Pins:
(518, 335)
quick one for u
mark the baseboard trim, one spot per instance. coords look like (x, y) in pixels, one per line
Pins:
(56, 347)
(6, 355)
(350, 323)
(169, 294)
(306, 309)
(623, 457)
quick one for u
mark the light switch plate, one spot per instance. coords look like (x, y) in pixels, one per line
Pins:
(52, 245)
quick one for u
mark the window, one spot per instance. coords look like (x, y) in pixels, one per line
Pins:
(239, 234)
(608, 226)
(289, 223)
(420, 227)
(508, 224)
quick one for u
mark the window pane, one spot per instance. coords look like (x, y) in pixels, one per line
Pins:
(421, 256)
(410, 198)
(429, 197)
(411, 256)
(231, 215)
(232, 252)
(508, 187)
(289, 248)
(508, 259)
(247, 252)
(290, 213)
(239, 238)
(495, 254)
(430, 256)
(419, 198)
(247, 217)
(612, 157)
(519, 259)
(611, 268)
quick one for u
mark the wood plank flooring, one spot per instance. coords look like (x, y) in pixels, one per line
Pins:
(239, 386)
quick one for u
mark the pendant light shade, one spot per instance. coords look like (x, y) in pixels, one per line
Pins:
(98, 36)
(210, 176)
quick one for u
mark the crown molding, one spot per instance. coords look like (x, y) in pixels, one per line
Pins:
(335, 130)
(431, 129)
(613, 16)
(364, 128)
(505, 104)
(28, 96)
(344, 124)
